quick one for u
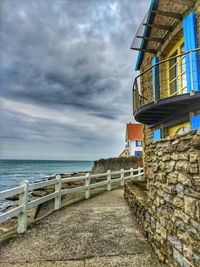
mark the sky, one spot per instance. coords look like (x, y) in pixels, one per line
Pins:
(66, 76)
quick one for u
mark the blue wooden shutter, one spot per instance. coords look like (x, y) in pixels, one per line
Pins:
(157, 134)
(195, 122)
(136, 153)
(155, 79)
(136, 143)
(191, 42)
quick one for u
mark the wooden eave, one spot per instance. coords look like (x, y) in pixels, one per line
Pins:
(163, 23)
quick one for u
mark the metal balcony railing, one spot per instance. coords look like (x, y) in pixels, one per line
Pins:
(173, 76)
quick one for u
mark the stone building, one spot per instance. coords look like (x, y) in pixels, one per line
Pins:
(167, 102)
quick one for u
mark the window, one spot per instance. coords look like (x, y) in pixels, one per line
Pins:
(138, 143)
(195, 122)
(138, 153)
(176, 69)
(157, 134)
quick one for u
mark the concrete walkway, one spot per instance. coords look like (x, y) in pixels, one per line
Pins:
(94, 233)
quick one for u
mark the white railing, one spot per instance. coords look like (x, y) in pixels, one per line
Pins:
(24, 204)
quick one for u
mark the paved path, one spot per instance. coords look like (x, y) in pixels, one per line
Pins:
(99, 232)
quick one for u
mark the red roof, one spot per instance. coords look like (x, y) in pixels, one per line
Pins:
(134, 131)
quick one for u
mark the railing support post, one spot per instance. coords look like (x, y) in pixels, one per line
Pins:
(122, 177)
(87, 184)
(131, 172)
(58, 190)
(23, 201)
(191, 74)
(108, 180)
(139, 172)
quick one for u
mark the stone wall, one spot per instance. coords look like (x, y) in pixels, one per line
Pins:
(137, 199)
(172, 209)
(116, 164)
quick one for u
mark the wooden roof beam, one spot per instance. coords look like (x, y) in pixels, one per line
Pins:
(151, 51)
(189, 3)
(158, 26)
(168, 14)
(153, 39)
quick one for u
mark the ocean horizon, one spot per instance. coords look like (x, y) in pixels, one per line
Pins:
(12, 171)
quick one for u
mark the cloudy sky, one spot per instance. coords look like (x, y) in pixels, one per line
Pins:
(66, 76)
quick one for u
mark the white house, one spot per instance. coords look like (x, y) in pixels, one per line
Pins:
(134, 136)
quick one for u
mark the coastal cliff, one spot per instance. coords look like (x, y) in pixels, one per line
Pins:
(115, 164)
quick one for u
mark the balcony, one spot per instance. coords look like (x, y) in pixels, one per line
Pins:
(168, 89)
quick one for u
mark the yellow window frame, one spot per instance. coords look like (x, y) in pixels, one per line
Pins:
(180, 73)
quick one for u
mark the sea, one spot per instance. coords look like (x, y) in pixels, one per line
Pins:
(14, 171)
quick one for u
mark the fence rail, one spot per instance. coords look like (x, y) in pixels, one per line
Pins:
(24, 204)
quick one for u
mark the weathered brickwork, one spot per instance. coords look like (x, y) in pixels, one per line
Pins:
(172, 205)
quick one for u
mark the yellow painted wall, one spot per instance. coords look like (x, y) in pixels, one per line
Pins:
(173, 130)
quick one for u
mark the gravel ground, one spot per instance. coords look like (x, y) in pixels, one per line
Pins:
(99, 232)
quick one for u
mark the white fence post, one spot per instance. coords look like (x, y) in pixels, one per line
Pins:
(139, 172)
(131, 172)
(23, 201)
(87, 184)
(122, 177)
(58, 190)
(108, 180)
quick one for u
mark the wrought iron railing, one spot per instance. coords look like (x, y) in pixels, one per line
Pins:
(172, 76)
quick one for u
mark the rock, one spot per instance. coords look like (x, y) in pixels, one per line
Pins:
(180, 259)
(194, 157)
(193, 193)
(183, 146)
(155, 167)
(182, 166)
(190, 206)
(182, 178)
(169, 166)
(178, 202)
(161, 177)
(172, 178)
(162, 166)
(166, 157)
(175, 242)
(180, 190)
(168, 148)
(13, 198)
(196, 182)
(183, 156)
(194, 168)
(196, 141)
(175, 156)
(184, 217)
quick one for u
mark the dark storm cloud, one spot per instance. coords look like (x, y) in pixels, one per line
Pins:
(70, 53)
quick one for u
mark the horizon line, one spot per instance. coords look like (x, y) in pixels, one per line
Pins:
(45, 159)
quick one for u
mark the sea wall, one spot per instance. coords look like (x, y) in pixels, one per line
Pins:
(115, 164)
(170, 212)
